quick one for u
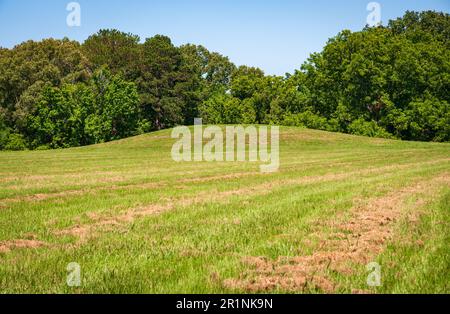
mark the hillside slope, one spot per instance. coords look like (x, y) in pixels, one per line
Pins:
(136, 221)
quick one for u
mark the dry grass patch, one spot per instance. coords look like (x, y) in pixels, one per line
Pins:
(354, 241)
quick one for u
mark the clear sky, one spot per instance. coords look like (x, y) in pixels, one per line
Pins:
(275, 35)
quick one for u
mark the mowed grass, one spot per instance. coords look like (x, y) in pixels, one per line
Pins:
(138, 222)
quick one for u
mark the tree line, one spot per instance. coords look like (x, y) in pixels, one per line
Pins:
(389, 81)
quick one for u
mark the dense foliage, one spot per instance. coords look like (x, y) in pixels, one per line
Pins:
(388, 81)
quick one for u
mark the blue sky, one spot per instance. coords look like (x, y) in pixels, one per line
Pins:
(276, 35)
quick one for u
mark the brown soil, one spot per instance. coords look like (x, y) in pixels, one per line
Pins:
(152, 185)
(6, 246)
(352, 241)
(112, 222)
(86, 231)
(83, 232)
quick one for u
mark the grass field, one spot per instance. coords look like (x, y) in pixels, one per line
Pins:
(137, 222)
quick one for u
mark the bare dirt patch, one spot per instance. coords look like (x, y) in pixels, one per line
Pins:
(68, 193)
(221, 177)
(111, 222)
(102, 222)
(154, 185)
(6, 246)
(352, 241)
(149, 185)
(106, 222)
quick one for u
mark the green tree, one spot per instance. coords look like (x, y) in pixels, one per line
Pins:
(28, 67)
(116, 50)
(115, 109)
(376, 76)
(163, 82)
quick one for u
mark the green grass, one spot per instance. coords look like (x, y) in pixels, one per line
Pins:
(202, 237)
